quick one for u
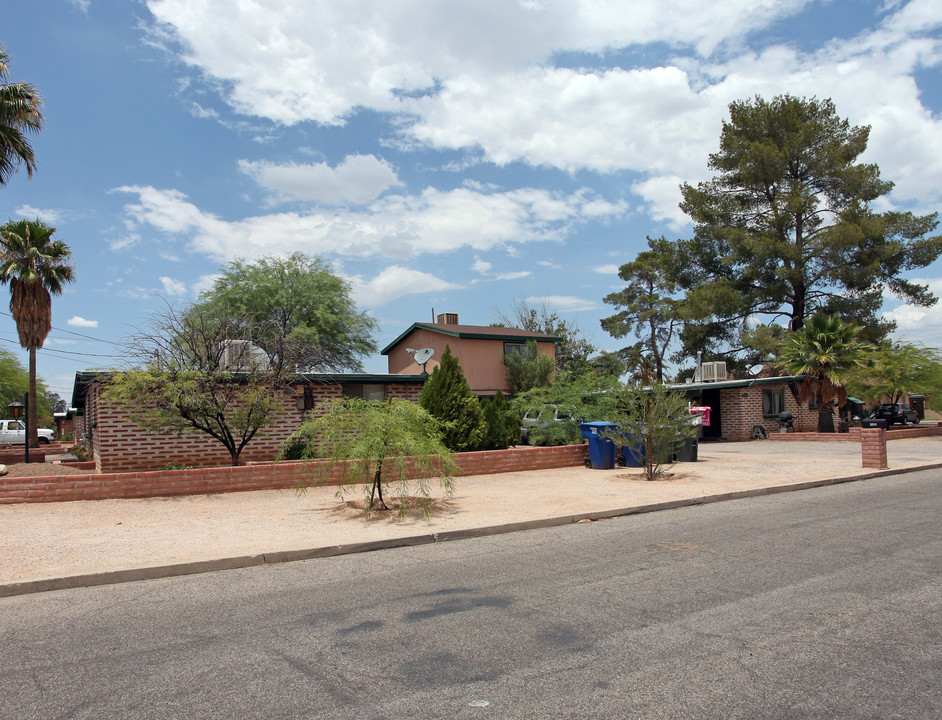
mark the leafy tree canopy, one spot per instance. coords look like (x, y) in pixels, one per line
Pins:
(897, 369)
(14, 384)
(193, 373)
(294, 308)
(572, 349)
(223, 366)
(649, 309)
(581, 397)
(786, 228)
(528, 369)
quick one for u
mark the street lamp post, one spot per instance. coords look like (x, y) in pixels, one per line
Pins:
(21, 409)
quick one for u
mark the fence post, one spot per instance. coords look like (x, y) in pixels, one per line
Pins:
(873, 447)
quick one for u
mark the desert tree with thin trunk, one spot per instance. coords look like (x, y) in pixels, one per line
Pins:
(651, 422)
(195, 372)
(392, 447)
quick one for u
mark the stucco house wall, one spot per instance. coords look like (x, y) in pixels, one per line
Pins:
(479, 350)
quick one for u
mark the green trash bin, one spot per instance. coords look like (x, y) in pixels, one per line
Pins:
(687, 449)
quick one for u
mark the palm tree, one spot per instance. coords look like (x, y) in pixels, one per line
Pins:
(824, 350)
(36, 267)
(19, 115)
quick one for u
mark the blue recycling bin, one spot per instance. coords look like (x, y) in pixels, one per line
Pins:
(633, 451)
(601, 448)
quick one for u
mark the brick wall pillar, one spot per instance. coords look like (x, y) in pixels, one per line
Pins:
(873, 447)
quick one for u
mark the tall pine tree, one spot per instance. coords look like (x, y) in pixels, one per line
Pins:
(448, 397)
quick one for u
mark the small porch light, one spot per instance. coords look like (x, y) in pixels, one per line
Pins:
(16, 409)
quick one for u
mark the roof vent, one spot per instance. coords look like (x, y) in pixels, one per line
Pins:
(447, 319)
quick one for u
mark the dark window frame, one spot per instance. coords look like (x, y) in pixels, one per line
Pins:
(773, 398)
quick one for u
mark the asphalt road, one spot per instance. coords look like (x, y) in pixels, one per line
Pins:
(816, 604)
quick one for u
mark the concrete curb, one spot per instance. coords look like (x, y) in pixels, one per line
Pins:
(246, 561)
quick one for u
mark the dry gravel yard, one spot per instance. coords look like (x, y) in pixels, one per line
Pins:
(39, 469)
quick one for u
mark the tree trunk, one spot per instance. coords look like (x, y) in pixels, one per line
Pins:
(376, 503)
(825, 420)
(32, 437)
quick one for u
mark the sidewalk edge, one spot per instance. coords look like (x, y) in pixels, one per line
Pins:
(246, 561)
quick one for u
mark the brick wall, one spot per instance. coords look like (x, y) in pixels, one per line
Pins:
(873, 447)
(741, 410)
(853, 434)
(267, 476)
(120, 445)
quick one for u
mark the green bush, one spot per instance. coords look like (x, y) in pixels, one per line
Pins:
(502, 423)
(448, 398)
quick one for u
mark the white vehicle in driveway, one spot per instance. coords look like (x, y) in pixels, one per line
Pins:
(14, 432)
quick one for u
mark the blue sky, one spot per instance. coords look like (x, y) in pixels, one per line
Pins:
(448, 155)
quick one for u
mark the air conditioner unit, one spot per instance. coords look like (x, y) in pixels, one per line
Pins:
(713, 371)
(242, 356)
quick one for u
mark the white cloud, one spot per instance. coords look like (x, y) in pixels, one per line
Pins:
(479, 76)
(647, 119)
(173, 287)
(920, 324)
(563, 303)
(481, 266)
(125, 241)
(76, 321)
(397, 226)
(513, 275)
(395, 282)
(319, 60)
(607, 269)
(358, 179)
(50, 217)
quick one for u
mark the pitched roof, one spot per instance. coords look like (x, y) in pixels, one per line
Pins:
(472, 332)
(740, 383)
(86, 378)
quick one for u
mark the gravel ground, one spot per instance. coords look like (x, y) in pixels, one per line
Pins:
(39, 469)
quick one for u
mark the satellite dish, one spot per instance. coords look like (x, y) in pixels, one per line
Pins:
(755, 369)
(421, 356)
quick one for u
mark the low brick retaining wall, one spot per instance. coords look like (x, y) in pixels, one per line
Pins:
(853, 434)
(260, 476)
(13, 454)
(16, 454)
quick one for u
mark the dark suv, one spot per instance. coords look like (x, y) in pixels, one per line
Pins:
(897, 413)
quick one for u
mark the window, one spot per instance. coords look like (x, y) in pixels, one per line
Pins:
(367, 391)
(515, 348)
(773, 402)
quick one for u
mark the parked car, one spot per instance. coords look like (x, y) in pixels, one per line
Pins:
(897, 413)
(539, 418)
(14, 432)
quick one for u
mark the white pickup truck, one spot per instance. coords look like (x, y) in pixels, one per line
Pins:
(14, 432)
